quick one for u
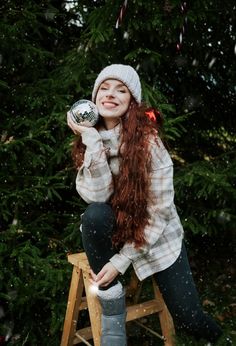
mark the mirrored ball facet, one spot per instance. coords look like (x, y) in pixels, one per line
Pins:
(84, 112)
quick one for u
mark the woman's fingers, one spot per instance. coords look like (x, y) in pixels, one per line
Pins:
(93, 275)
(107, 274)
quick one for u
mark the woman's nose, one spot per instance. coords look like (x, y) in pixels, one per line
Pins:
(110, 93)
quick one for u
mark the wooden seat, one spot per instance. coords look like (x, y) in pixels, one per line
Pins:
(76, 302)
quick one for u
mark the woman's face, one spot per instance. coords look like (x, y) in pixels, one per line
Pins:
(113, 100)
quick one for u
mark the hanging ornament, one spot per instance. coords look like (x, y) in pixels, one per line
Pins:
(121, 15)
(183, 9)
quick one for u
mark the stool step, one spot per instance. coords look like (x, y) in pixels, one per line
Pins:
(143, 309)
(133, 312)
(79, 260)
(83, 333)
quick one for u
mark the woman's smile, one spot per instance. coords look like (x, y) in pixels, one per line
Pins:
(108, 104)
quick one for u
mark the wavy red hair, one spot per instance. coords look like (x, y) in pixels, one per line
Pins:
(131, 186)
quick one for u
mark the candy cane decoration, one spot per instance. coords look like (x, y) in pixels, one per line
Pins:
(121, 15)
(183, 9)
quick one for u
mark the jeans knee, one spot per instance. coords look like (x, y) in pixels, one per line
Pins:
(98, 218)
(97, 212)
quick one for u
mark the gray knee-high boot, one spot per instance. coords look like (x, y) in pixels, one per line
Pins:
(113, 321)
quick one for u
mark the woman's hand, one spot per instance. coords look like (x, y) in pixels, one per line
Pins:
(106, 275)
(77, 129)
(90, 135)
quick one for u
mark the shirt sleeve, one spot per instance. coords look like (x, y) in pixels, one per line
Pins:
(161, 207)
(94, 181)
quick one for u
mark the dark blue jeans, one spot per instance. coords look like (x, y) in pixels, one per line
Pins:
(176, 282)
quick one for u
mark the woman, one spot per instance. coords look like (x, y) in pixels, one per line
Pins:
(125, 174)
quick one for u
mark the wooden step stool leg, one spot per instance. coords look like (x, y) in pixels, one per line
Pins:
(72, 311)
(94, 309)
(133, 289)
(80, 280)
(167, 325)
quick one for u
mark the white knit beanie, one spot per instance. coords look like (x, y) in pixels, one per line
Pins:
(124, 73)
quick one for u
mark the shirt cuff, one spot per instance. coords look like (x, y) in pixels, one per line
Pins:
(92, 139)
(120, 262)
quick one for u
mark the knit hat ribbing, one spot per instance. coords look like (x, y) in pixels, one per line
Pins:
(124, 73)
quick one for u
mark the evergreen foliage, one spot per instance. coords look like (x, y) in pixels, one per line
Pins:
(50, 55)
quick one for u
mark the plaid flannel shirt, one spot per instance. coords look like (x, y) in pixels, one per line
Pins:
(164, 233)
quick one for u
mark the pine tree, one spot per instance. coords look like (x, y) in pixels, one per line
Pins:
(50, 56)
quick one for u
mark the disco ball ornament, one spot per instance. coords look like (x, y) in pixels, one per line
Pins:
(84, 112)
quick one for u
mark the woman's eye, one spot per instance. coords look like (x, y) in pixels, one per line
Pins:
(122, 91)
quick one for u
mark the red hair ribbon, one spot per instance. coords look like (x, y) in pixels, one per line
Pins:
(152, 114)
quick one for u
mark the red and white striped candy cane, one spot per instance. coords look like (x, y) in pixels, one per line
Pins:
(121, 15)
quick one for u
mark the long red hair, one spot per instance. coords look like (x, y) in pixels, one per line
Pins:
(131, 186)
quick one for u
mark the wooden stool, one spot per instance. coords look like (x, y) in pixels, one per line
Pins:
(77, 302)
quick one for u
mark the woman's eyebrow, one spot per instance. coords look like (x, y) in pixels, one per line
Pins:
(117, 85)
(121, 85)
